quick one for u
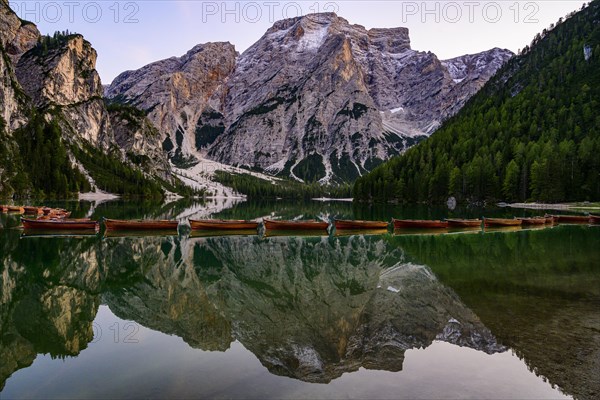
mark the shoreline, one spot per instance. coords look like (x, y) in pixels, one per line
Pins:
(555, 206)
(97, 196)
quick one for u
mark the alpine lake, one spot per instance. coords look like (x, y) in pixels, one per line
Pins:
(465, 314)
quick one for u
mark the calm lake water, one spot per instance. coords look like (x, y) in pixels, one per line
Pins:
(462, 315)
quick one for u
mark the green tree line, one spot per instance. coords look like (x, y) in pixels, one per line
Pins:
(530, 134)
(46, 170)
(257, 188)
(112, 175)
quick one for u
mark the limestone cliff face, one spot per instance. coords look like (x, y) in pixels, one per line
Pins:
(316, 98)
(182, 95)
(61, 76)
(57, 76)
(16, 37)
(316, 93)
(298, 104)
(139, 139)
(470, 73)
(64, 79)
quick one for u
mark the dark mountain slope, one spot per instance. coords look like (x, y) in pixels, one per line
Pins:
(532, 132)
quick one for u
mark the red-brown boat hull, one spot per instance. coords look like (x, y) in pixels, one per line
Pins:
(345, 224)
(55, 224)
(594, 219)
(574, 219)
(33, 210)
(533, 221)
(501, 222)
(121, 225)
(464, 223)
(295, 225)
(220, 225)
(419, 224)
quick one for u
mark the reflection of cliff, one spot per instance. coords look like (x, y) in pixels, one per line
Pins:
(538, 291)
(171, 298)
(44, 307)
(308, 308)
(50, 291)
(314, 308)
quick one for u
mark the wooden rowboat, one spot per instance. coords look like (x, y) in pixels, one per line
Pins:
(348, 224)
(139, 225)
(60, 224)
(594, 219)
(3, 209)
(419, 224)
(304, 225)
(464, 223)
(16, 209)
(549, 219)
(573, 219)
(501, 222)
(533, 221)
(221, 224)
(29, 210)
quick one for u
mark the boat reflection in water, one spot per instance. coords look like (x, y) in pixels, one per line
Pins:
(140, 233)
(218, 233)
(309, 308)
(37, 233)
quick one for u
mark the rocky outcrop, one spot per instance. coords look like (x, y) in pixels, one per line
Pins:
(61, 75)
(470, 73)
(335, 99)
(56, 75)
(139, 139)
(316, 98)
(183, 96)
(16, 37)
(298, 105)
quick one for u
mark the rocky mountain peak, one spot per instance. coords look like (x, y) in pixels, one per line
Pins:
(315, 98)
(181, 94)
(486, 63)
(390, 40)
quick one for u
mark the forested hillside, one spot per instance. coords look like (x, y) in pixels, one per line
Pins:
(532, 132)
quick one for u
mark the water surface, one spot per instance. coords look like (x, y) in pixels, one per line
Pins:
(463, 315)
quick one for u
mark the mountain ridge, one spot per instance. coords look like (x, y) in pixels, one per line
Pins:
(529, 134)
(315, 88)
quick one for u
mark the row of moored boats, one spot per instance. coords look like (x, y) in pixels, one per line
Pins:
(45, 218)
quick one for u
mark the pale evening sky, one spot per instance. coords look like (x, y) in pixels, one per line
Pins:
(131, 34)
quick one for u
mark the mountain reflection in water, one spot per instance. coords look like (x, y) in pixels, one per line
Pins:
(313, 308)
